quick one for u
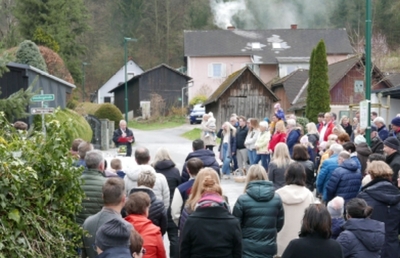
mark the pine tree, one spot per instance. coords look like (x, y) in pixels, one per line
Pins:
(28, 53)
(318, 96)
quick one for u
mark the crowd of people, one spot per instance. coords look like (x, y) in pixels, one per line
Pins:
(318, 191)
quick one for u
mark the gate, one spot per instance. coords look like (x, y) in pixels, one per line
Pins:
(95, 124)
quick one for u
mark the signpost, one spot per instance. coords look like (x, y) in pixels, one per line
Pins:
(43, 109)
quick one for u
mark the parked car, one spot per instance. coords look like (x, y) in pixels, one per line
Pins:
(196, 115)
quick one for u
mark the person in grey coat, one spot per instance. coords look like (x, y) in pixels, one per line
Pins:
(362, 236)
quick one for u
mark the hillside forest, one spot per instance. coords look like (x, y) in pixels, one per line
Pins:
(92, 31)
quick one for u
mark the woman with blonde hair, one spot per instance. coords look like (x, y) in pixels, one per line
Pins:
(227, 148)
(278, 136)
(345, 123)
(251, 138)
(277, 167)
(338, 130)
(196, 192)
(163, 164)
(384, 198)
(219, 233)
(260, 213)
(261, 145)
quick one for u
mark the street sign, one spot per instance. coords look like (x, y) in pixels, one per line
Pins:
(41, 110)
(364, 114)
(42, 97)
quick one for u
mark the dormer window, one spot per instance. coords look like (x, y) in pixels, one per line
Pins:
(276, 45)
(255, 46)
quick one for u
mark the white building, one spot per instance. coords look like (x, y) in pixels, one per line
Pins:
(103, 96)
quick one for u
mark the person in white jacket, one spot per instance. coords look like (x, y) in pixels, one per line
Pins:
(160, 189)
(295, 198)
(251, 139)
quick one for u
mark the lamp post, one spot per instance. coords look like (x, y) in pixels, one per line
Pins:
(126, 79)
(368, 72)
(83, 80)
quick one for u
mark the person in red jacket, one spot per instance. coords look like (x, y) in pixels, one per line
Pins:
(327, 128)
(137, 207)
(278, 136)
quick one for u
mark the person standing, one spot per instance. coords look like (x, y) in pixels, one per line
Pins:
(384, 198)
(345, 123)
(241, 150)
(277, 137)
(251, 140)
(208, 134)
(327, 128)
(362, 236)
(295, 198)
(391, 149)
(300, 155)
(395, 132)
(227, 148)
(261, 145)
(277, 167)
(124, 136)
(383, 132)
(293, 135)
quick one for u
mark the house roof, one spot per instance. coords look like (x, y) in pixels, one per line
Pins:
(229, 81)
(292, 83)
(293, 43)
(394, 79)
(38, 71)
(152, 69)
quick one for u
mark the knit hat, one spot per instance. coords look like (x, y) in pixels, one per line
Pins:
(113, 233)
(392, 142)
(396, 121)
(374, 128)
(359, 139)
(336, 207)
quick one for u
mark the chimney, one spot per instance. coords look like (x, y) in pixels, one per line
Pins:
(293, 26)
(231, 27)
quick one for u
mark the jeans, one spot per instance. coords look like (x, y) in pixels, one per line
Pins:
(252, 154)
(265, 158)
(172, 231)
(226, 166)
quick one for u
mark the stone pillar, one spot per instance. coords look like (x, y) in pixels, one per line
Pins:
(111, 129)
(105, 137)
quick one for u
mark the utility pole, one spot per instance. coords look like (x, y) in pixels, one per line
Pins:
(368, 67)
(126, 75)
(84, 64)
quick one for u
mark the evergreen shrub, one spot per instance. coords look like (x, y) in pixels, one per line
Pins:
(109, 111)
(28, 53)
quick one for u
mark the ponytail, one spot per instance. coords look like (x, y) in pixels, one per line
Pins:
(357, 208)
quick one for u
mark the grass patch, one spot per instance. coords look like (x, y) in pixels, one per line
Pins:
(158, 123)
(195, 134)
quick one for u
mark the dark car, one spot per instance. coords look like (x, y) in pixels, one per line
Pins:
(196, 115)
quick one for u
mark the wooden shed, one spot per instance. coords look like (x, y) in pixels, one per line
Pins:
(242, 93)
(162, 80)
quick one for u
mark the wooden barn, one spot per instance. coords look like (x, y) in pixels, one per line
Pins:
(242, 93)
(162, 80)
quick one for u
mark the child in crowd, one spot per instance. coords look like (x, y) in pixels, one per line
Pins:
(210, 123)
(117, 167)
(336, 210)
(279, 111)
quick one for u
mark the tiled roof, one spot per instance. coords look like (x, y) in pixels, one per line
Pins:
(292, 83)
(394, 79)
(229, 81)
(265, 46)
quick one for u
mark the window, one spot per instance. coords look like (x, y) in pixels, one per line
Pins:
(216, 70)
(255, 46)
(255, 68)
(276, 45)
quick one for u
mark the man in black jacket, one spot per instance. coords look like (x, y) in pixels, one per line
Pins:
(124, 136)
(207, 156)
(376, 142)
(390, 147)
(241, 150)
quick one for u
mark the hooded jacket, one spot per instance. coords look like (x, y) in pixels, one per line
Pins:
(345, 181)
(327, 168)
(171, 173)
(152, 239)
(310, 177)
(384, 197)
(160, 188)
(292, 139)
(363, 151)
(208, 158)
(295, 200)
(393, 161)
(157, 211)
(362, 238)
(376, 145)
(383, 132)
(116, 252)
(261, 216)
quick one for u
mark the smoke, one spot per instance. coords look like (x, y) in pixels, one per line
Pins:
(224, 11)
(272, 14)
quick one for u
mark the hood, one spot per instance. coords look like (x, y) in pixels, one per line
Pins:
(350, 164)
(133, 173)
(141, 224)
(371, 233)
(207, 156)
(116, 252)
(145, 190)
(164, 165)
(293, 194)
(261, 191)
(363, 149)
(383, 191)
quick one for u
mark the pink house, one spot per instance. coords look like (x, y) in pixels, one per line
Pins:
(211, 56)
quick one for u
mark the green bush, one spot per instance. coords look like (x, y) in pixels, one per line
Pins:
(28, 53)
(40, 193)
(303, 121)
(109, 111)
(72, 104)
(87, 108)
(79, 127)
(199, 99)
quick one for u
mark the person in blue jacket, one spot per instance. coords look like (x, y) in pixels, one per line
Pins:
(327, 168)
(345, 180)
(362, 236)
(293, 135)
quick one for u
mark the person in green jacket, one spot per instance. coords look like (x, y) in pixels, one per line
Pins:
(260, 213)
(93, 181)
